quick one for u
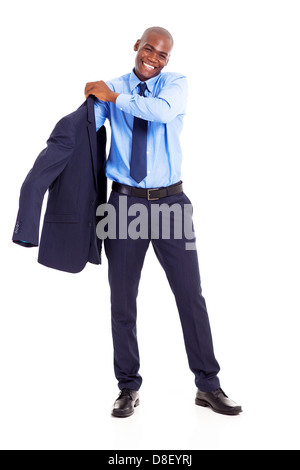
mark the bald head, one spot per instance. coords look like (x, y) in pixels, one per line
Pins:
(157, 29)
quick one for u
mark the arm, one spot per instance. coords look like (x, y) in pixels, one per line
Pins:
(101, 110)
(104, 95)
(49, 164)
(170, 102)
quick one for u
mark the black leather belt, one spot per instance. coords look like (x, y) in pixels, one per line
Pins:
(152, 194)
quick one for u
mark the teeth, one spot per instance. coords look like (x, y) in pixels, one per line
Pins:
(149, 66)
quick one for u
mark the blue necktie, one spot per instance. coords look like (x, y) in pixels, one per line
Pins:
(138, 163)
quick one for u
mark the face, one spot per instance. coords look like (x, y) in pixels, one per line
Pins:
(153, 53)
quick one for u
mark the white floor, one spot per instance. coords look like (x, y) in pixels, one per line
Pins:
(181, 425)
(174, 422)
(165, 420)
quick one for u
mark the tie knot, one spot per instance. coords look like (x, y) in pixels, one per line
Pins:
(143, 88)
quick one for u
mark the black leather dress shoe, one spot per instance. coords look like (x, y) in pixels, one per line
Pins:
(218, 402)
(125, 403)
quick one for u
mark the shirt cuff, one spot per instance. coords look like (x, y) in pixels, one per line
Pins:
(123, 101)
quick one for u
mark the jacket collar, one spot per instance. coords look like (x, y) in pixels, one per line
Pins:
(92, 135)
(90, 108)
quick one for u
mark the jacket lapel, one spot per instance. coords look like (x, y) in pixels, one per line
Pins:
(92, 135)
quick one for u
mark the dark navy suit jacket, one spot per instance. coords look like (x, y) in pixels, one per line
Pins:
(72, 168)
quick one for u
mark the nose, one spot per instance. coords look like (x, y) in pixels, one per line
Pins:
(152, 57)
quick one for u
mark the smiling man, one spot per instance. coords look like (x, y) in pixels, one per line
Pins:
(146, 109)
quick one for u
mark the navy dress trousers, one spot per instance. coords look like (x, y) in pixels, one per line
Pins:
(125, 260)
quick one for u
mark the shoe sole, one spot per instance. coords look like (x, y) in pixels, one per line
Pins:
(122, 414)
(205, 404)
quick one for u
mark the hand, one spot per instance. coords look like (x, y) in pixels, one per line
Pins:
(101, 91)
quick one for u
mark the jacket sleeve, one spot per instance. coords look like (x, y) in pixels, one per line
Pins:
(47, 167)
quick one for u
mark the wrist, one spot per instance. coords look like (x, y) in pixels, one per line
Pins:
(113, 97)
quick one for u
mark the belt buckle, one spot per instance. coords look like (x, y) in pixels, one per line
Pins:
(149, 196)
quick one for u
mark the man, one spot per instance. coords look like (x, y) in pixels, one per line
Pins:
(145, 109)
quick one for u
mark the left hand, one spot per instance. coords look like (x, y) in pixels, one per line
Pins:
(101, 91)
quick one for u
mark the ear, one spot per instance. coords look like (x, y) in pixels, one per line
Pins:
(137, 45)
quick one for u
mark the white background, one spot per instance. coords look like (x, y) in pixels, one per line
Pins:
(241, 151)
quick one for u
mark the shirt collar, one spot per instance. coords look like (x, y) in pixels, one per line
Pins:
(134, 81)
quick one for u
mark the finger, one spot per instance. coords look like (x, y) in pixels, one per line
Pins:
(88, 89)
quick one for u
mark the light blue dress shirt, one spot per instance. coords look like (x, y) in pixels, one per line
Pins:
(164, 106)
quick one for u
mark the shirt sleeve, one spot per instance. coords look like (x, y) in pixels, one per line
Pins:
(169, 103)
(101, 110)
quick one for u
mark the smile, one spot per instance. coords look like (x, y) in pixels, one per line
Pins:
(149, 66)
